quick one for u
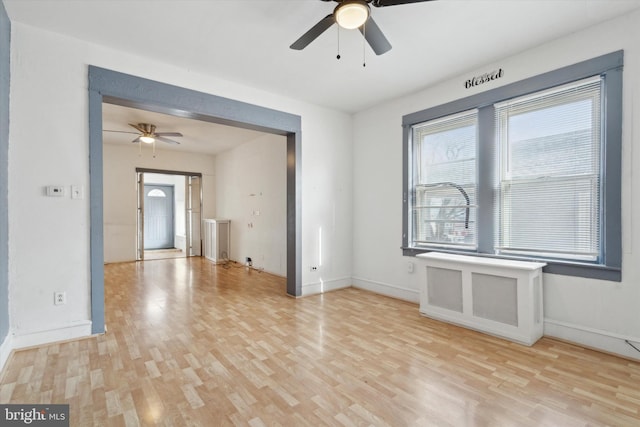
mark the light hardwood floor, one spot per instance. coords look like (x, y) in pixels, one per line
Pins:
(163, 254)
(190, 343)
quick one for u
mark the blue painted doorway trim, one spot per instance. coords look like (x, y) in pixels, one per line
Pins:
(136, 92)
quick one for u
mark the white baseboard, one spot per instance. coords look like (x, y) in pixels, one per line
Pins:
(592, 338)
(5, 351)
(273, 273)
(405, 294)
(325, 286)
(71, 331)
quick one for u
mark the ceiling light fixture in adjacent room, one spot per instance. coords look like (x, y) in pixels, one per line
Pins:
(147, 139)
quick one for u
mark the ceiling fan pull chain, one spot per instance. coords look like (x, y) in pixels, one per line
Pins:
(154, 149)
(338, 56)
(364, 45)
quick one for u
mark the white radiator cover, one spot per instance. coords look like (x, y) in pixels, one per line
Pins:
(496, 296)
(217, 236)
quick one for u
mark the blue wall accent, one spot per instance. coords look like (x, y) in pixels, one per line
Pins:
(5, 54)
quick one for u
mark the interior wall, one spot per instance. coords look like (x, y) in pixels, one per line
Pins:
(251, 192)
(5, 54)
(121, 192)
(179, 224)
(595, 313)
(49, 86)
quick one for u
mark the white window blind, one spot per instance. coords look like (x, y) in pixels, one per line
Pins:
(443, 208)
(549, 176)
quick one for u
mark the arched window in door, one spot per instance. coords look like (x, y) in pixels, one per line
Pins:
(156, 193)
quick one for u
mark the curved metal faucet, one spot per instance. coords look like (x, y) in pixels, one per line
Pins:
(461, 190)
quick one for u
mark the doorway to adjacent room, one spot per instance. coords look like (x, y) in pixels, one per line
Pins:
(168, 214)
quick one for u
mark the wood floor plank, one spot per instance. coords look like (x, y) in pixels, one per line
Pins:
(190, 343)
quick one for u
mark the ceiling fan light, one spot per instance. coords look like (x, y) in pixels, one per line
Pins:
(351, 14)
(147, 139)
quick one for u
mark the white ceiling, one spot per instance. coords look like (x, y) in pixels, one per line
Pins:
(198, 136)
(247, 41)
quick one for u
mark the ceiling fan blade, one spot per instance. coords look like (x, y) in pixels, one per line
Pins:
(313, 33)
(168, 134)
(383, 3)
(119, 131)
(374, 36)
(137, 128)
(167, 140)
(136, 140)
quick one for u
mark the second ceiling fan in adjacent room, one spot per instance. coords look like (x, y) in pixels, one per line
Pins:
(149, 135)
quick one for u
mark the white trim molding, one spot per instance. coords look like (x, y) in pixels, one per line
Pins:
(398, 292)
(80, 329)
(5, 352)
(596, 339)
(323, 286)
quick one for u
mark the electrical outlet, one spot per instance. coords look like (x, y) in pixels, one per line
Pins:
(59, 298)
(409, 267)
(313, 268)
(55, 191)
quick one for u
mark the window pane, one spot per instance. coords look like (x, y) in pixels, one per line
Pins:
(554, 217)
(156, 193)
(557, 140)
(444, 190)
(550, 173)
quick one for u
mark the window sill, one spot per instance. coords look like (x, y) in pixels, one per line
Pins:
(565, 268)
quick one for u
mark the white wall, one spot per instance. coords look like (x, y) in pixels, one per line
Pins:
(121, 193)
(252, 193)
(595, 313)
(49, 237)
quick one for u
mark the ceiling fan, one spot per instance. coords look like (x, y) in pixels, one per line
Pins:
(147, 134)
(352, 14)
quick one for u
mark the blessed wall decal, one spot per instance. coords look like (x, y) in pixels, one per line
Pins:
(486, 77)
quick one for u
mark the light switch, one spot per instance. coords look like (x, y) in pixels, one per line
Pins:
(77, 192)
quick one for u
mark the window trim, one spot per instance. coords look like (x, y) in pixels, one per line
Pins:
(610, 66)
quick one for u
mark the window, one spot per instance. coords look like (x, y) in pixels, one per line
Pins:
(549, 197)
(530, 170)
(445, 181)
(156, 193)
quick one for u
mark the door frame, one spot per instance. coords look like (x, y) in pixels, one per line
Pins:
(136, 92)
(140, 183)
(166, 189)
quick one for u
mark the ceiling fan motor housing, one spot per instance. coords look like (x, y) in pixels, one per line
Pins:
(147, 128)
(351, 14)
